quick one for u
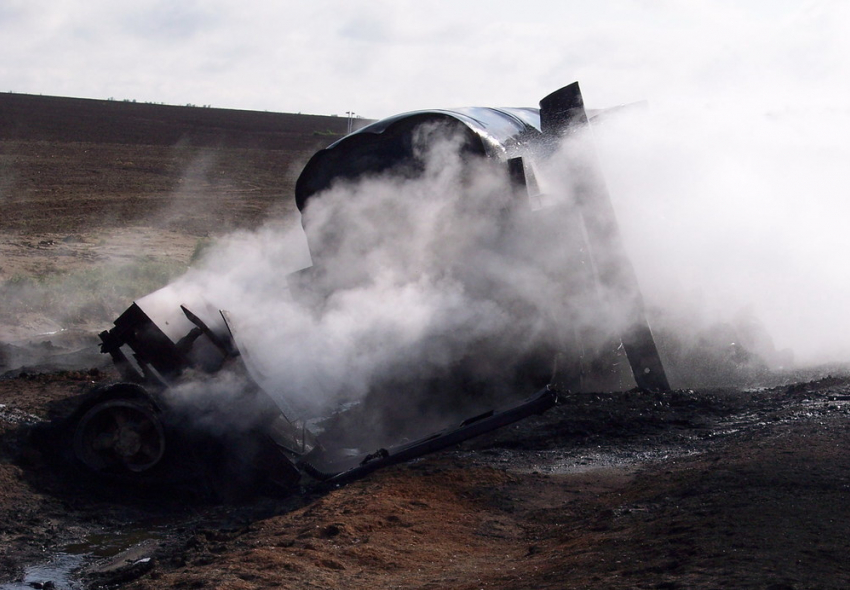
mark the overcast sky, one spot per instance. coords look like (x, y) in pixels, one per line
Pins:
(379, 57)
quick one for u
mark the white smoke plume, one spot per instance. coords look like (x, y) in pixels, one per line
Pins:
(421, 287)
(734, 212)
(733, 223)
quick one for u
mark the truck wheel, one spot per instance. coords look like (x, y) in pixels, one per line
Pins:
(123, 435)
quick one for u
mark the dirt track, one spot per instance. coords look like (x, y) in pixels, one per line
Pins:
(705, 489)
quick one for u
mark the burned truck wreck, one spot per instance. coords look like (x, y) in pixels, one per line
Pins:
(135, 431)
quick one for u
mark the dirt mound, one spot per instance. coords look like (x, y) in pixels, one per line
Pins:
(716, 488)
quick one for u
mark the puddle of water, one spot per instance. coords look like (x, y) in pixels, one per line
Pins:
(609, 460)
(563, 462)
(61, 568)
(111, 544)
(57, 571)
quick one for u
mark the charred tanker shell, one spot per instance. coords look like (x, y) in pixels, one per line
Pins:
(393, 147)
(389, 144)
(515, 138)
(140, 430)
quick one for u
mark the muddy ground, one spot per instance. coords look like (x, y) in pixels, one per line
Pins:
(742, 487)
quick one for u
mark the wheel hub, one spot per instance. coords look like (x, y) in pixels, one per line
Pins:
(120, 433)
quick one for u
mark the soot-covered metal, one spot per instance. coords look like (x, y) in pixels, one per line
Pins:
(134, 431)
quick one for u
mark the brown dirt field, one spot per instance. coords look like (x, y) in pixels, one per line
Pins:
(72, 165)
(688, 489)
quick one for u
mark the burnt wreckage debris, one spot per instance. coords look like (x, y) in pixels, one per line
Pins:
(134, 431)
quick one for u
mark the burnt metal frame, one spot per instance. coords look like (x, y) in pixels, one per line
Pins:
(562, 113)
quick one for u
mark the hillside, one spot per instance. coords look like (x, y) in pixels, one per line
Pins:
(71, 164)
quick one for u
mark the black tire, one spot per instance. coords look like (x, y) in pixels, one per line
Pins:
(120, 434)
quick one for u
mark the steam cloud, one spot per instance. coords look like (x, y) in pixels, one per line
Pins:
(417, 281)
(734, 212)
(733, 223)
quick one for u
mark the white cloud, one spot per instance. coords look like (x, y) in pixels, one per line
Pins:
(383, 57)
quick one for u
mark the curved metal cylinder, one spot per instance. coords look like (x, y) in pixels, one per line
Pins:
(391, 144)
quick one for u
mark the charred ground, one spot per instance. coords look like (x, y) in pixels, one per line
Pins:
(687, 489)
